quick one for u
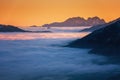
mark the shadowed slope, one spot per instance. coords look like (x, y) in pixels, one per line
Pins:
(105, 40)
(10, 28)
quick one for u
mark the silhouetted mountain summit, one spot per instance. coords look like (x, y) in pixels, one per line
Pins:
(33, 26)
(77, 21)
(104, 41)
(10, 28)
(95, 21)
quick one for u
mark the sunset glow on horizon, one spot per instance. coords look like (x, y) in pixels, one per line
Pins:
(38, 12)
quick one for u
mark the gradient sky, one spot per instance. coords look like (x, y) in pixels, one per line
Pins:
(38, 12)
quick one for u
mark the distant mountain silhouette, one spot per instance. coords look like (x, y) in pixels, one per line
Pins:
(10, 28)
(105, 41)
(33, 26)
(77, 21)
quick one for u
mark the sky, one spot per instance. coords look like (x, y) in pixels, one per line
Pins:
(38, 12)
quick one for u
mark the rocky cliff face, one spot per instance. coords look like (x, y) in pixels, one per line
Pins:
(77, 21)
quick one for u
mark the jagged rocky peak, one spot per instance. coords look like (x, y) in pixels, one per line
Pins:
(75, 21)
(95, 21)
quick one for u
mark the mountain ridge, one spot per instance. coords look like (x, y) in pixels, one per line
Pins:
(77, 21)
(10, 28)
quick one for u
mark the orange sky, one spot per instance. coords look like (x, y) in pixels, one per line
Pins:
(38, 12)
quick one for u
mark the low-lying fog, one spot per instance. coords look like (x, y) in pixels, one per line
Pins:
(40, 56)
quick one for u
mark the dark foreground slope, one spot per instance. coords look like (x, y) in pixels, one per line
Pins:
(10, 28)
(91, 29)
(105, 41)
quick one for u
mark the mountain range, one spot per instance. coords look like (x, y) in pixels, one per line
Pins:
(77, 21)
(104, 41)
